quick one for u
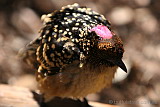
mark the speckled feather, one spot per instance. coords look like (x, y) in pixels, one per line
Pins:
(71, 46)
(66, 36)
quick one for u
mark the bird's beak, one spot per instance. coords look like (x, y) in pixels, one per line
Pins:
(121, 65)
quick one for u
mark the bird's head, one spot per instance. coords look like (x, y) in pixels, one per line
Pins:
(109, 46)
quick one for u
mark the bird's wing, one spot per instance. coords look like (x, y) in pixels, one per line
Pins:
(28, 53)
(54, 54)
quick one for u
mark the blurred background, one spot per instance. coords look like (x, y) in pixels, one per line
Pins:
(135, 21)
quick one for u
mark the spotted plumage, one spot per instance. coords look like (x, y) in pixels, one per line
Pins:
(65, 35)
(75, 42)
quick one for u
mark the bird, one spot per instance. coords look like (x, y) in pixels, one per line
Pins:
(76, 53)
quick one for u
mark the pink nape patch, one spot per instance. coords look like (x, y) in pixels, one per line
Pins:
(102, 31)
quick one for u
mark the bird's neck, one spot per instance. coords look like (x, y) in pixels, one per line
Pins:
(99, 57)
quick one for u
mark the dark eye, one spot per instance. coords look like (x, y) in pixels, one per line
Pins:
(120, 51)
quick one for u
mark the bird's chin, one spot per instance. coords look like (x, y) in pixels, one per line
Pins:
(111, 63)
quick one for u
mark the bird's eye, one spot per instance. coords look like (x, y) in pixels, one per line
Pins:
(120, 50)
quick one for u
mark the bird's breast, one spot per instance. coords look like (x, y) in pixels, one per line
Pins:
(76, 82)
